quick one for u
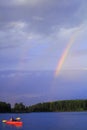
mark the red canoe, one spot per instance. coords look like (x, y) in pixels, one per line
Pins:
(14, 122)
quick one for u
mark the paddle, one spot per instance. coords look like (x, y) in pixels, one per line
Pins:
(4, 121)
(18, 118)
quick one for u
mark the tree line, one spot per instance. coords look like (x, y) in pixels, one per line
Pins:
(57, 106)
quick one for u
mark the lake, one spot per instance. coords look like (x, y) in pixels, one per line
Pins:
(48, 121)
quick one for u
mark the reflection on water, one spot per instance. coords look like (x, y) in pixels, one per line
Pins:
(5, 126)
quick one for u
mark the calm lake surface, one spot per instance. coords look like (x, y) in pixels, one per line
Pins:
(48, 121)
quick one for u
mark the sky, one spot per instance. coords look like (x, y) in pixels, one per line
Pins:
(43, 50)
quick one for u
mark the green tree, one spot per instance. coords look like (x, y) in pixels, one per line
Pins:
(5, 107)
(19, 107)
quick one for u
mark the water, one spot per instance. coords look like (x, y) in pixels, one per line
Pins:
(48, 121)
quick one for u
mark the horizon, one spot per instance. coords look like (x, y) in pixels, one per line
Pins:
(46, 78)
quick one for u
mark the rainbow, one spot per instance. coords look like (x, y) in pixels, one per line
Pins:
(66, 51)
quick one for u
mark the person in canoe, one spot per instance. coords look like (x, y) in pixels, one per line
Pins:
(12, 119)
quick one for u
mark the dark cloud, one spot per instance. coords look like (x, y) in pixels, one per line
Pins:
(61, 13)
(8, 46)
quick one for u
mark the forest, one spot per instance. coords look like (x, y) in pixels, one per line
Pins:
(56, 106)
